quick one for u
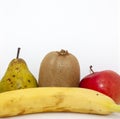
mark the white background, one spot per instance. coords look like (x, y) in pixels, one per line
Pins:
(89, 29)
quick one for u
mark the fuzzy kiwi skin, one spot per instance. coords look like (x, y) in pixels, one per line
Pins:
(59, 69)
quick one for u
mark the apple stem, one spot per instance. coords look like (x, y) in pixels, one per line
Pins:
(18, 52)
(91, 69)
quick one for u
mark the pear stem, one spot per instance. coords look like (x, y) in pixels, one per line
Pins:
(18, 52)
(91, 69)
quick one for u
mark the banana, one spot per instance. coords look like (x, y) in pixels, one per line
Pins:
(55, 99)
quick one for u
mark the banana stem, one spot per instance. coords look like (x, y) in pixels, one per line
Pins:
(18, 52)
(115, 108)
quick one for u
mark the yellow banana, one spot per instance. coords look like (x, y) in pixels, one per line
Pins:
(55, 99)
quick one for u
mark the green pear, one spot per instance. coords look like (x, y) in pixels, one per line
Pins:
(17, 76)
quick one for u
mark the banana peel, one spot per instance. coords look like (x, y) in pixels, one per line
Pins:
(55, 99)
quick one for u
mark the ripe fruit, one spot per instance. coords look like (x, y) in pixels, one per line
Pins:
(59, 69)
(55, 99)
(17, 76)
(107, 82)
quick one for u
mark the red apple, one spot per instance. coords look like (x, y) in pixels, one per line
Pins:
(106, 82)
